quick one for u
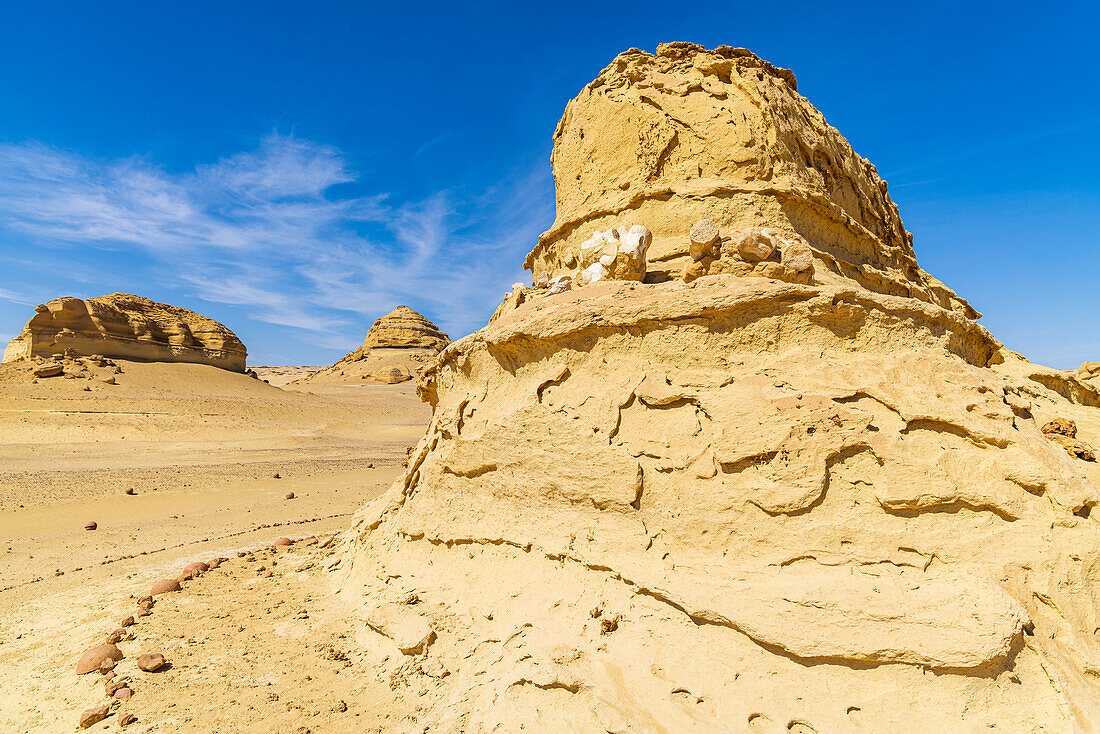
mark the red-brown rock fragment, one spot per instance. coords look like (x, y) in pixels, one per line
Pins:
(1064, 433)
(93, 658)
(194, 570)
(164, 586)
(150, 662)
(93, 716)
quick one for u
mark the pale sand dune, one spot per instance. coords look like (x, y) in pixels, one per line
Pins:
(367, 368)
(280, 376)
(199, 446)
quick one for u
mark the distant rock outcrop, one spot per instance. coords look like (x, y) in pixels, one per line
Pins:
(795, 488)
(127, 327)
(404, 328)
(397, 347)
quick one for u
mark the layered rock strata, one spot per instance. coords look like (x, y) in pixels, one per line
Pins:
(737, 503)
(686, 133)
(404, 328)
(396, 348)
(128, 327)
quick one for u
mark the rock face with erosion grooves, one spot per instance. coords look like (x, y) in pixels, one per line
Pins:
(740, 501)
(128, 327)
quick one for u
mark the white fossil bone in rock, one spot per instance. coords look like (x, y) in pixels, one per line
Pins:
(617, 254)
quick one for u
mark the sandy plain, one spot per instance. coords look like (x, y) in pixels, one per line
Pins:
(199, 449)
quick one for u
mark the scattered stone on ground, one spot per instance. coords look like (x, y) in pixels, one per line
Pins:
(94, 657)
(195, 569)
(48, 369)
(150, 662)
(93, 716)
(165, 586)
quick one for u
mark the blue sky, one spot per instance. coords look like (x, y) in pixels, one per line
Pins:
(297, 169)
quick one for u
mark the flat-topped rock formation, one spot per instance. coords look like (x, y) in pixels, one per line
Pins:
(128, 327)
(736, 463)
(396, 348)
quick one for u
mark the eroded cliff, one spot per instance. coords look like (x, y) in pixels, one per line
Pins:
(735, 499)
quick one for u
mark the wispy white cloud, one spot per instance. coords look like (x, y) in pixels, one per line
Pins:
(12, 296)
(263, 230)
(430, 144)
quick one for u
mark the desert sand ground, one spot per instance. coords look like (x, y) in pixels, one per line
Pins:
(199, 447)
(282, 376)
(370, 368)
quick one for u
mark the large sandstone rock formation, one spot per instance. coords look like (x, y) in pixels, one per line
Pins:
(128, 327)
(397, 347)
(668, 139)
(737, 503)
(404, 328)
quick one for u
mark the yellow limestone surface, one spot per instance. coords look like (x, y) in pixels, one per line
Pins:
(740, 504)
(128, 327)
